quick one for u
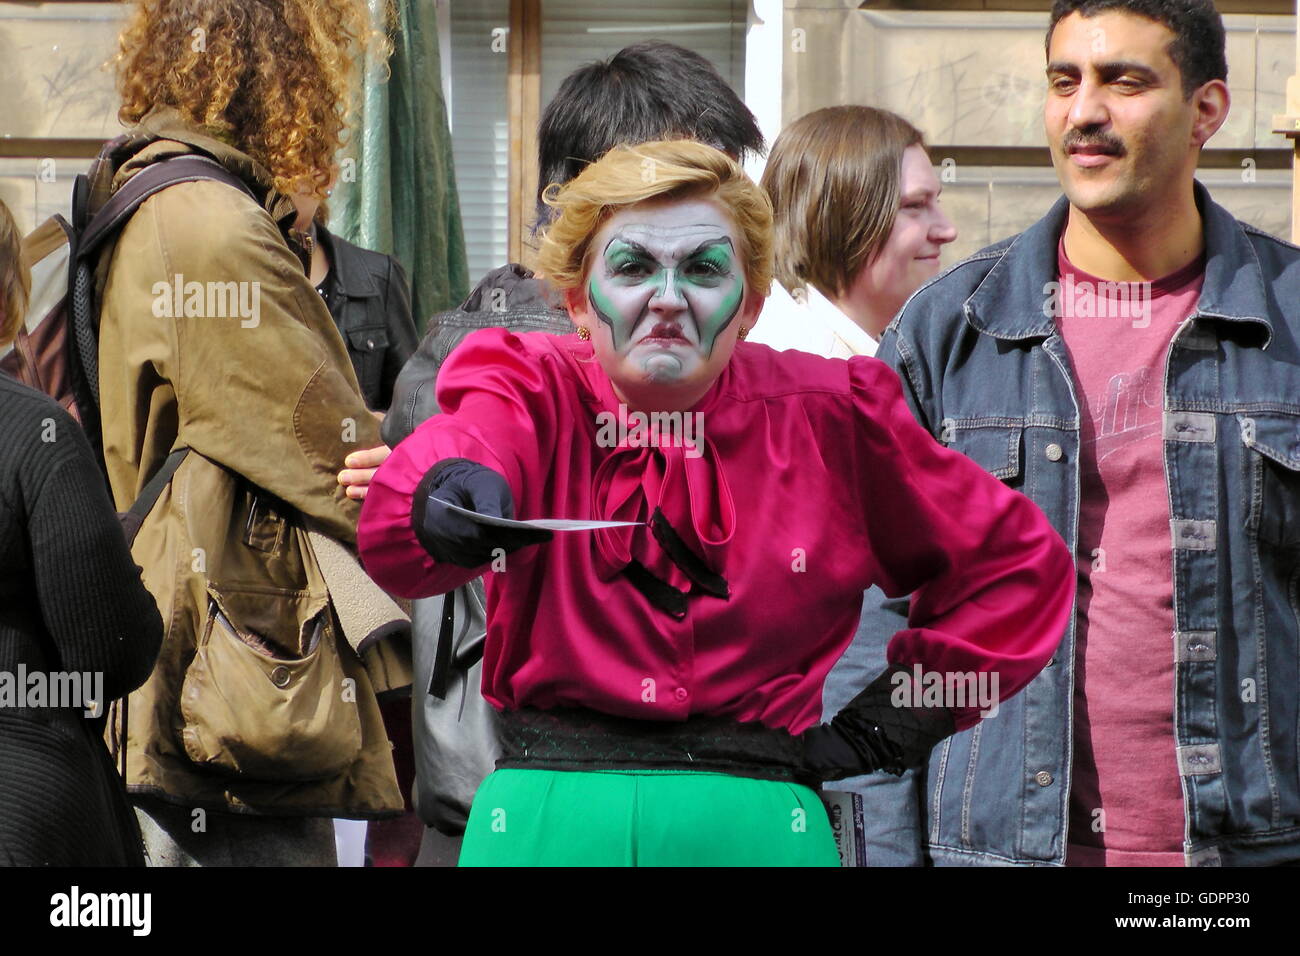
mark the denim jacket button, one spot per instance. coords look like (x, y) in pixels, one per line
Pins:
(1043, 778)
(1054, 452)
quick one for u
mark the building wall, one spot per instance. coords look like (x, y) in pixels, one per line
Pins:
(971, 79)
(58, 102)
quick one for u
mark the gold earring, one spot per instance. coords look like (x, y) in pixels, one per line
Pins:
(744, 331)
(583, 333)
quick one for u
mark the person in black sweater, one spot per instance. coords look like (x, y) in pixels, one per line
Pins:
(71, 602)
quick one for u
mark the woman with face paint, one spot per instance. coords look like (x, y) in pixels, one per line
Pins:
(660, 681)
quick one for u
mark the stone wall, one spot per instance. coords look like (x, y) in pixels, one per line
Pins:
(58, 100)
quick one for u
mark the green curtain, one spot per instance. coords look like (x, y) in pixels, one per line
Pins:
(397, 187)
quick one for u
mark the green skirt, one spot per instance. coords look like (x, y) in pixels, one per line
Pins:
(645, 818)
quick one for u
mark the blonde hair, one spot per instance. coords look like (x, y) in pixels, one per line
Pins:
(277, 80)
(834, 180)
(627, 175)
(15, 281)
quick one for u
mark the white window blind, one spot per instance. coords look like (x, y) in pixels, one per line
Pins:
(480, 136)
(574, 33)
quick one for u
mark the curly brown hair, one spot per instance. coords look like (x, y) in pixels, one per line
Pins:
(276, 79)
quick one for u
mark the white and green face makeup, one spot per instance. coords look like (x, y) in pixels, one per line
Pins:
(667, 282)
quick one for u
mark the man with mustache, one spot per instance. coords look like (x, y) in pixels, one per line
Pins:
(1132, 363)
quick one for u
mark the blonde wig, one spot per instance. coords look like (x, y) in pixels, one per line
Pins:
(658, 171)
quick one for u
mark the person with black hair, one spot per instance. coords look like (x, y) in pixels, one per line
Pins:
(644, 92)
(647, 91)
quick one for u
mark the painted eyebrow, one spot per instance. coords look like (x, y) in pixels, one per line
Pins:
(1107, 70)
(707, 245)
(643, 251)
(632, 245)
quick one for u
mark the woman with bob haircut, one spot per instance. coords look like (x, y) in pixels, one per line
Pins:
(856, 218)
(660, 682)
(857, 228)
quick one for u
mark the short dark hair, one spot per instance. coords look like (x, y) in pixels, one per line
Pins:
(1199, 43)
(645, 92)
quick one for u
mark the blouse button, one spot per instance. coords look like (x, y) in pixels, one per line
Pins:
(1054, 452)
(681, 693)
(1043, 778)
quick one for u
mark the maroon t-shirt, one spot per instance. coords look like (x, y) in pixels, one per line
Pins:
(1126, 799)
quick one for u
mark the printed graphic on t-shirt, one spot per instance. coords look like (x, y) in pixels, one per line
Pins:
(1129, 412)
(1126, 803)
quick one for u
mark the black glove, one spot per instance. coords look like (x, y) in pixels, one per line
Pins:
(871, 734)
(454, 538)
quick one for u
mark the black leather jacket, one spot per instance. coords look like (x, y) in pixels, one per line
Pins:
(370, 299)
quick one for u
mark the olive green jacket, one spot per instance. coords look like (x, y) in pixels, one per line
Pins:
(212, 338)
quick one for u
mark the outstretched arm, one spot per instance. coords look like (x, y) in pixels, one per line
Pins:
(481, 453)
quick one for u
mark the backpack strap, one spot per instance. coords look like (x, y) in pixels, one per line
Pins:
(152, 179)
(442, 657)
(131, 521)
(107, 221)
(134, 517)
(102, 226)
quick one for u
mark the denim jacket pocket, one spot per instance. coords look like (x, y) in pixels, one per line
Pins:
(1273, 476)
(995, 447)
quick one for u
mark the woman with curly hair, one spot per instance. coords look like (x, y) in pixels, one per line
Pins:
(660, 680)
(213, 339)
(275, 80)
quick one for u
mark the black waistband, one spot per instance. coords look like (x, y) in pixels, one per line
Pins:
(580, 739)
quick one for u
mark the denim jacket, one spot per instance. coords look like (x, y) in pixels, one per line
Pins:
(985, 370)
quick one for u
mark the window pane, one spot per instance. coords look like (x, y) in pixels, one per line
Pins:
(480, 137)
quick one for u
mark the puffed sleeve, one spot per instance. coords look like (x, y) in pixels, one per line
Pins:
(499, 409)
(991, 581)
